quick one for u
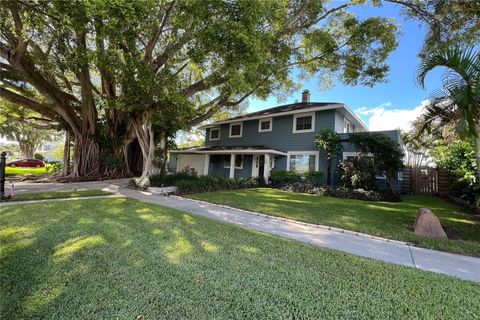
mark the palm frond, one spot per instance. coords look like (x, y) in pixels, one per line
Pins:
(455, 58)
(459, 99)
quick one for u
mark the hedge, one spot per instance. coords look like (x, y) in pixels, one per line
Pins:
(340, 192)
(210, 183)
(282, 177)
(187, 183)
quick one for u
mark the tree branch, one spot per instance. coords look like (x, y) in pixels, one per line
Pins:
(27, 102)
(156, 35)
(206, 83)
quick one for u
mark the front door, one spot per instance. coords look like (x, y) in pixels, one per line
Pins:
(261, 165)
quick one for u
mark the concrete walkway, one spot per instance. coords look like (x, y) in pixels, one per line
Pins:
(397, 252)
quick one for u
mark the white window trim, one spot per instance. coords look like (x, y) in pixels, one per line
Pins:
(227, 166)
(230, 129)
(354, 154)
(301, 115)
(264, 120)
(303, 153)
(350, 154)
(210, 134)
(345, 121)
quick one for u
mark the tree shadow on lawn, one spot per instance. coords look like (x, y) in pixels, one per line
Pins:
(117, 258)
(77, 250)
(113, 257)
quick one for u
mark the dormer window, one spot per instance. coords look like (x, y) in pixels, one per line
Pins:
(236, 130)
(214, 134)
(347, 126)
(304, 122)
(265, 125)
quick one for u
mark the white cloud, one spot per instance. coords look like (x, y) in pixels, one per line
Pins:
(384, 117)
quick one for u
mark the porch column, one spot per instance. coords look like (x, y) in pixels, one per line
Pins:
(207, 164)
(232, 166)
(266, 168)
(254, 166)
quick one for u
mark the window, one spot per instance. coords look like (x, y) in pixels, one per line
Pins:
(238, 162)
(214, 133)
(347, 126)
(236, 130)
(302, 161)
(265, 125)
(304, 122)
(400, 176)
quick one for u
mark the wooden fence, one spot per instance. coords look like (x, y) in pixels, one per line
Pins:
(425, 180)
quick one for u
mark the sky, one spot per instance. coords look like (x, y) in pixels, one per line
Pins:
(390, 105)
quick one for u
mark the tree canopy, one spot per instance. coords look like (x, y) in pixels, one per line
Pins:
(457, 104)
(115, 73)
(25, 127)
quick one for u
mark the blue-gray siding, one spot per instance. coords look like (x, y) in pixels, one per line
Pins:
(283, 139)
(280, 138)
(217, 168)
(339, 119)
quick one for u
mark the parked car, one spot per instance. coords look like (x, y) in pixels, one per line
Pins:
(26, 163)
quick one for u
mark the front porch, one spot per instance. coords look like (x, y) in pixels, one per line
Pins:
(229, 162)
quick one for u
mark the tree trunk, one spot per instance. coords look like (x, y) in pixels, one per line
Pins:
(329, 171)
(162, 157)
(29, 153)
(26, 150)
(477, 151)
(66, 154)
(146, 138)
(86, 158)
(392, 184)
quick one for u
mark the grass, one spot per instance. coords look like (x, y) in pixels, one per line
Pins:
(119, 258)
(390, 220)
(60, 194)
(21, 171)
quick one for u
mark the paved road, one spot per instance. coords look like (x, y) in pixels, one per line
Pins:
(397, 252)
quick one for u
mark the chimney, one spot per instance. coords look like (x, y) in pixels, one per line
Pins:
(306, 96)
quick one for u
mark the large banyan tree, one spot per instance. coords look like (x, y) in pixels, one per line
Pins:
(122, 77)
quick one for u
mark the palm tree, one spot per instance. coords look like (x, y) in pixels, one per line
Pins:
(458, 102)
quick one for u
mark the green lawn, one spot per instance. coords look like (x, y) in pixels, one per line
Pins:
(390, 220)
(59, 194)
(121, 258)
(18, 171)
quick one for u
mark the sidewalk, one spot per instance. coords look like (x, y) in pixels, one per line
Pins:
(397, 252)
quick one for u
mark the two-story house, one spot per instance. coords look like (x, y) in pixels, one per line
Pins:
(282, 138)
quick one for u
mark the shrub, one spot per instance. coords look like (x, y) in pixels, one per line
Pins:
(210, 183)
(38, 156)
(329, 191)
(314, 178)
(140, 183)
(281, 177)
(458, 158)
(357, 173)
(160, 180)
(190, 171)
(54, 167)
(387, 154)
